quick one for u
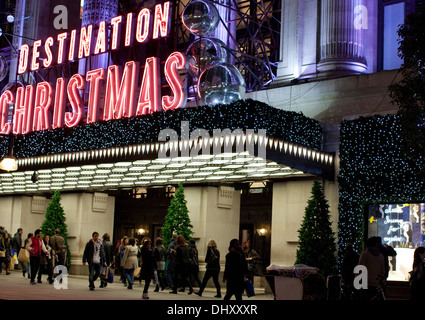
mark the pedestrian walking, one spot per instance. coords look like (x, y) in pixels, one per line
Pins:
(183, 265)
(212, 259)
(57, 242)
(417, 275)
(46, 265)
(5, 252)
(36, 247)
(148, 266)
(17, 245)
(108, 247)
(129, 262)
(234, 271)
(94, 255)
(28, 264)
(120, 254)
(194, 269)
(159, 253)
(171, 261)
(374, 262)
(252, 258)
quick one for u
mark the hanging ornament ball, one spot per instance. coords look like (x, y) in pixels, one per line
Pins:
(221, 84)
(205, 52)
(3, 68)
(200, 17)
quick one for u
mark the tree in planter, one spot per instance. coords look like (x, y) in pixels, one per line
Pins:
(177, 219)
(55, 219)
(316, 239)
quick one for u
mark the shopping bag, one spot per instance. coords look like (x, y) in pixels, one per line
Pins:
(137, 273)
(24, 255)
(249, 288)
(12, 254)
(110, 276)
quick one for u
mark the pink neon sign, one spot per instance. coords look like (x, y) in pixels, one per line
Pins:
(112, 93)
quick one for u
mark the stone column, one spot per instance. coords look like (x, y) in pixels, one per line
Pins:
(86, 213)
(226, 32)
(288, 207)
(215, 214)
(341, 42)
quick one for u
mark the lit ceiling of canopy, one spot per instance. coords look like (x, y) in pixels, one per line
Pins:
(138, 166)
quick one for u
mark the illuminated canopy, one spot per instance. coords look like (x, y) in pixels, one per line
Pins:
(131, 153)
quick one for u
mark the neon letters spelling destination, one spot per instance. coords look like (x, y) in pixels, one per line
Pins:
(43, 106)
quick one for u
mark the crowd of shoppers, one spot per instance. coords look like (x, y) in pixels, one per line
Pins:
(35, 255)
(174, 267)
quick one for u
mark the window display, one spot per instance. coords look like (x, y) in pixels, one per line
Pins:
(401, 226)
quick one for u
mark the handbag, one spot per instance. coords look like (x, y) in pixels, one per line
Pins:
(104, 273)
(249, 288)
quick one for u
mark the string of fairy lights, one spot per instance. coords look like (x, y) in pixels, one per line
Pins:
(373, 170)
(241, 114)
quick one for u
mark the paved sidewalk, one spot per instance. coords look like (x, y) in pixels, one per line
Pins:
(16, 287)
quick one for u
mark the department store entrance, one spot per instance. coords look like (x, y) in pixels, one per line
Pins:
(141, 213)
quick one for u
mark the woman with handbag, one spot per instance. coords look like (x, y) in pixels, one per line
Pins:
(212, 259)
(5, 252)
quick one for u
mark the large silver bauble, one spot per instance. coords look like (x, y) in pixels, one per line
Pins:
(221, 84)
(205, 52)
(200, 17)
(4, 68)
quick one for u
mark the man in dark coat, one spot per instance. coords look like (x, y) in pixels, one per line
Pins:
(95, 256)
(235, 270)
(16, 246)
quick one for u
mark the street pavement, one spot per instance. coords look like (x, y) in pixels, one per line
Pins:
(19, 298)
(17, 287)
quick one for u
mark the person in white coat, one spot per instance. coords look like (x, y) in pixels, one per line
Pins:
(130, 261)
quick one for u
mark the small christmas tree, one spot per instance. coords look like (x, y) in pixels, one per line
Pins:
(177, 219)
(55, 219)
(316, 239)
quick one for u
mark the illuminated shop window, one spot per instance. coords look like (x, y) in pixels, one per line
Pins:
(141, 193)
(401, 226)
(169, 192)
